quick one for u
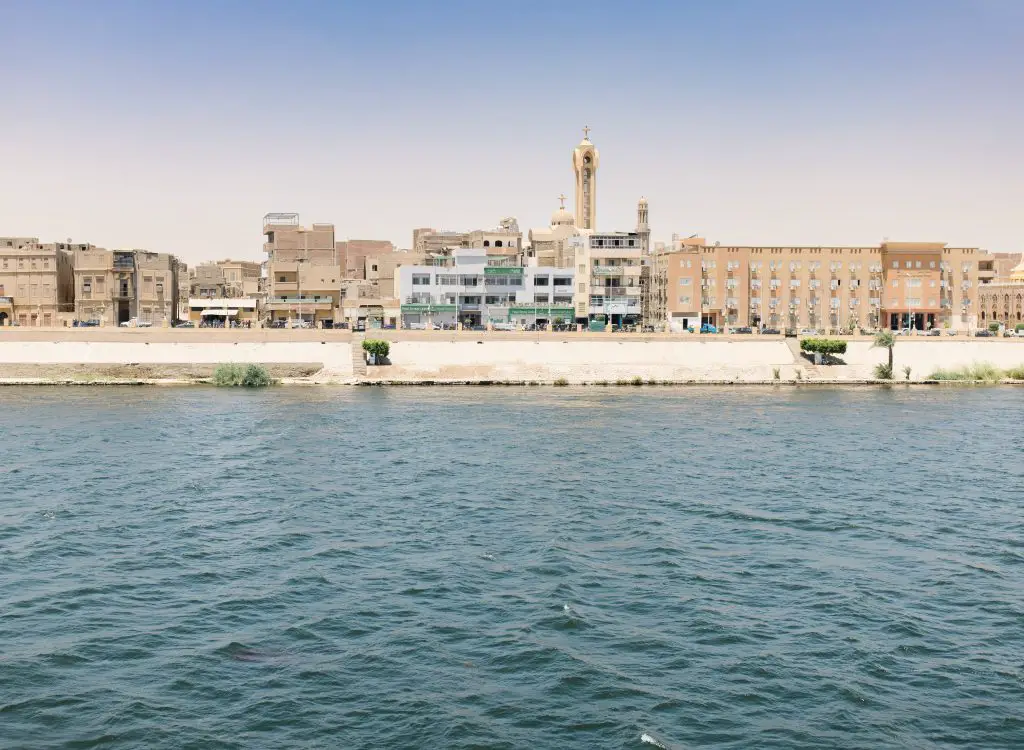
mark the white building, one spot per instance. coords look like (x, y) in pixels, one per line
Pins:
(471, 287)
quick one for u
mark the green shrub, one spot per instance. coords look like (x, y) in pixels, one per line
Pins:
(883, 371)
(776, 373)
(620, 381)
(1019, 327)
(377, 347)
(601, 382)
(823, 346)
(637, 380)
(228, 375)
(993, 327)
(256, 376)
(234, 376)
(1016, 373)
(561, 382)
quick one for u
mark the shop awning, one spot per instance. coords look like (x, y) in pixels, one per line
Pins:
(219, 313)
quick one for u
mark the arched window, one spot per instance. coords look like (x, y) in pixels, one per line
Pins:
(982, 314)
(497, 243)
(487, 243)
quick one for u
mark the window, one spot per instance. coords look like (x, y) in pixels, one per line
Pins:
(895, 264)
(908, 264)
(282, 279)
(917, 264)
(931, 264)
(541, 280)
(582, 287)
(374, 267)
(86, 286)
(895, 283)
(684, 300)
(421, 279)
(684, 282)
(46, 263)
(159, 288)
(497, 243)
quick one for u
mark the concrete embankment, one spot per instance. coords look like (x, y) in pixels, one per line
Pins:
(335, 357)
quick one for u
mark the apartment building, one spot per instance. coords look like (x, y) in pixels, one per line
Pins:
(430, 241)
(892, 285)
(36, 286)
(505, 240)
(352, 255)
(608, 268)
(471, 287)
(303, 272)
(225, 278)
(117, 286)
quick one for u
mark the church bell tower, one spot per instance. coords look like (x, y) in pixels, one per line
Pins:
(584, 163)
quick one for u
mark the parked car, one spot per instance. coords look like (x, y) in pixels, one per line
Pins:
(983, 334)
(185, 324)
(504, 326)
(708, 328)
(417, 326)
(808, 331)
(277, 324)
(86, 324)
(951, 332)
(742, 329)
(934, 332)
(770, 331)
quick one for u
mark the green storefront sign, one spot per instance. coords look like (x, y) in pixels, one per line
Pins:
(566, 313)
(420, 309)
(503, 271)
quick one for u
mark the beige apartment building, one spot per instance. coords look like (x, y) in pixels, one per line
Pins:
(303, 272)
(352, 255)
(225, 278)
(430, 241)
(120, 286)
(36, 287)
(892, 285)
(608, 269)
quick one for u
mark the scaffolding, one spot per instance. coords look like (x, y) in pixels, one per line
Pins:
(654, 289)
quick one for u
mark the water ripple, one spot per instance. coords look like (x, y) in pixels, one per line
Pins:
(509, 568)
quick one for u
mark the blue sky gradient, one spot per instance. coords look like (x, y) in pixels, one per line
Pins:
(176, 125)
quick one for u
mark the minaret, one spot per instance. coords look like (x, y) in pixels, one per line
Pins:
(642, 227)
(584, 164)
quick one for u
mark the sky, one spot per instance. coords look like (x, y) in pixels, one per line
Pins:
(175, 126)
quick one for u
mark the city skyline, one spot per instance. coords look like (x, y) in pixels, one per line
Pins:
(175, 127)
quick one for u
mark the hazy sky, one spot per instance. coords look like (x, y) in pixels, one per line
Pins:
(175, 126)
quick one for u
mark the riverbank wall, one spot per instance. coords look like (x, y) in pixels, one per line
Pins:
(336, 358)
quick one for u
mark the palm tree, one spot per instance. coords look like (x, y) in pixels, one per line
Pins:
(884, 340)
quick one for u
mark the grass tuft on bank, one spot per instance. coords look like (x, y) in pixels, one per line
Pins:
(237, 376)
(978, 371)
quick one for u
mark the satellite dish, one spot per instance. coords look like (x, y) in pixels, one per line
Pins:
(717, 243)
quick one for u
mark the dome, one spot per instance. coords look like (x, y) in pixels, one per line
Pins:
(562, 218)
(1017, 272)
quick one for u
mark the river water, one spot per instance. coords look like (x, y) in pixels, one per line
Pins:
(512, 568)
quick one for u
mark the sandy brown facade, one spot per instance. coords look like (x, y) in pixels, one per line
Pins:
(892, 285)
(36, 287)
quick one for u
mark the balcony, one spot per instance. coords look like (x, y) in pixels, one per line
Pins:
(284, 286)
(293, 303)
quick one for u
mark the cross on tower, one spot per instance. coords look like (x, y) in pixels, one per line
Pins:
(561, 200)
(586, 132)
